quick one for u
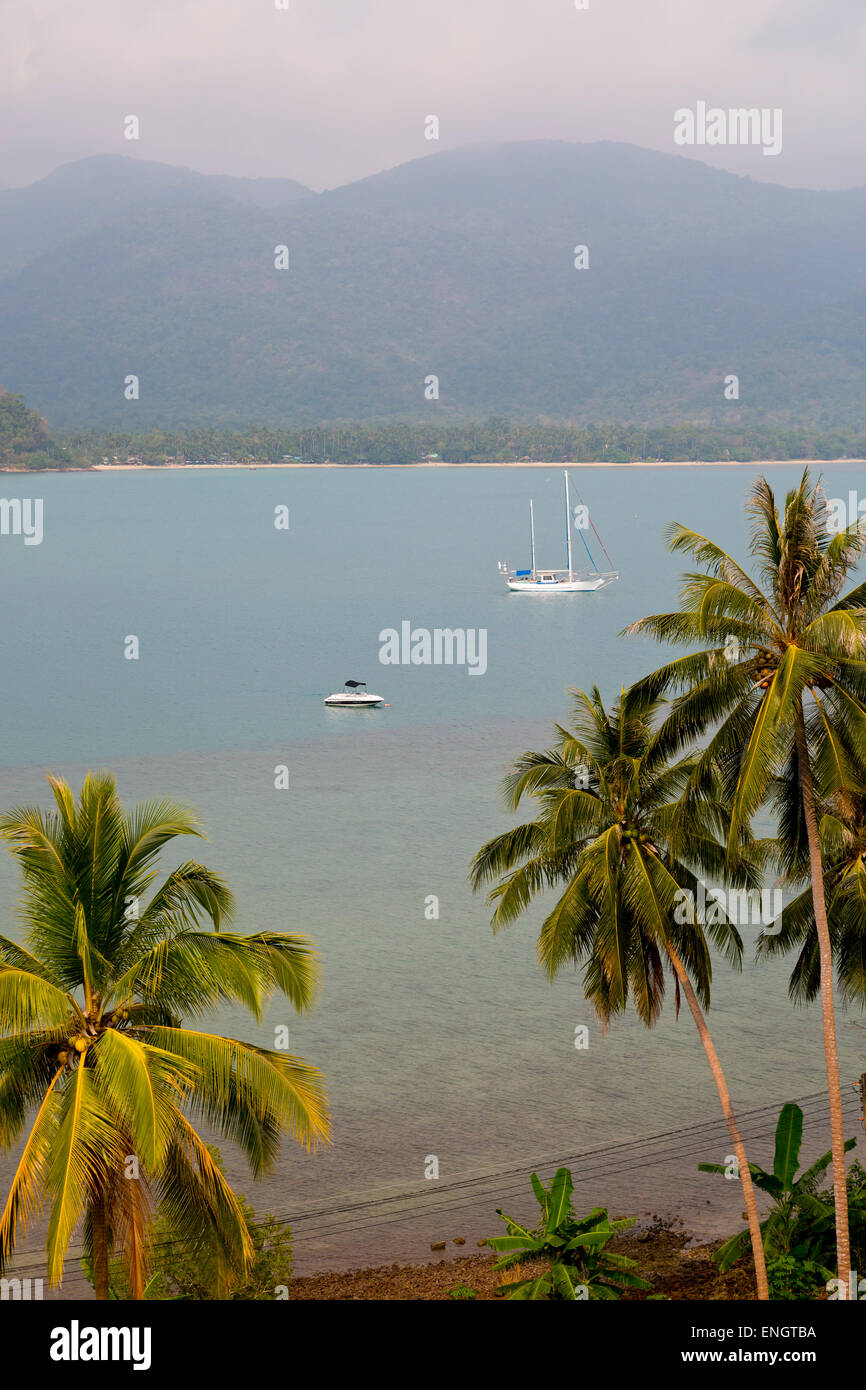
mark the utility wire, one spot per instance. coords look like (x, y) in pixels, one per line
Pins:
(591, 1164)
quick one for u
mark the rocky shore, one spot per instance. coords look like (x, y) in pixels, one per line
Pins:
(677, 1268)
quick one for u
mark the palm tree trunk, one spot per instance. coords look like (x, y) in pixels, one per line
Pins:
(828, 1012)
(100, 1246)
(730, 1120)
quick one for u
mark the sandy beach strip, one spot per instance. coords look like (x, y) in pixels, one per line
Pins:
(426, 463)
(562, 463)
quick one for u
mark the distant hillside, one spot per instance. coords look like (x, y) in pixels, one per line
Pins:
(114, 190)
(458, 265)
(25, 439)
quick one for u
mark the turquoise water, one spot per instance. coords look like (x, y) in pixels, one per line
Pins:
(435, 1037)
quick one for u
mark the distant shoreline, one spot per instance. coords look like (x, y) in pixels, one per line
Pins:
(425, 463)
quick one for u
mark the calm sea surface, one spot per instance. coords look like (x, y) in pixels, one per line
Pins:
(435, 1037)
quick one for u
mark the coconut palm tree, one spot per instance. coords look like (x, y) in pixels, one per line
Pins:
(842, 828)
(614, 831)
(93, 1049)
(783, 660)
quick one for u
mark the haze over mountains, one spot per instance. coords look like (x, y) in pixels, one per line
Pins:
(459, 265)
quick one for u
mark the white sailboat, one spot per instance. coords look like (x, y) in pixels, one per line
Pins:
(552, 581)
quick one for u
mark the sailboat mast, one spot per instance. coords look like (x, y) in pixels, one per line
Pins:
(567, 524)
(532, 538)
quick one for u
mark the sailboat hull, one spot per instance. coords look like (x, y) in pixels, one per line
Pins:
(560, 586)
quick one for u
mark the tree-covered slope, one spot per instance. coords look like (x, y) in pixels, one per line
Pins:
(25, 439)
(460, 265)
(106, 190)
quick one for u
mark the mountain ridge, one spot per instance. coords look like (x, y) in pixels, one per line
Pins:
(459, 265)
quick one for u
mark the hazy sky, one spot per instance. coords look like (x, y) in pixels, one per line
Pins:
(330, 90)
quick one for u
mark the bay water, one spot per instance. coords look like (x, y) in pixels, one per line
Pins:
(437, 1040)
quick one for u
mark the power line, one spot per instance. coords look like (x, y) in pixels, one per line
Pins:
(592, 1164)
(430, 1205)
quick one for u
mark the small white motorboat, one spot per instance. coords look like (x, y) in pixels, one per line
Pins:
(355, 696)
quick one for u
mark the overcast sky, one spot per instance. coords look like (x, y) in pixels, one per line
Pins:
(331, 90)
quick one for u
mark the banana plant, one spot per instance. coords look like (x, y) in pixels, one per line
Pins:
(799, 1215)
(577, 1264)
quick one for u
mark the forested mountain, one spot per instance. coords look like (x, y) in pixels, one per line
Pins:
(114, 190)
(459, 265)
